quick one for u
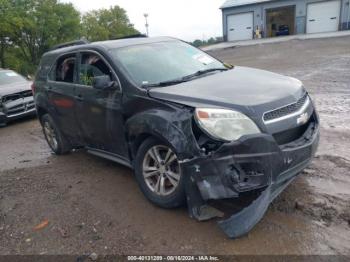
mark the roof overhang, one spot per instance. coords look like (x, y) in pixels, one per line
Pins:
(237, 3)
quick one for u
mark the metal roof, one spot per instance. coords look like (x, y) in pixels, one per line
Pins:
(235, 3)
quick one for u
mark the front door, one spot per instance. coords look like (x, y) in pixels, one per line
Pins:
(99, 111)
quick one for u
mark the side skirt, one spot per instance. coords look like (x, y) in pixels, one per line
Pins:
(110, 156)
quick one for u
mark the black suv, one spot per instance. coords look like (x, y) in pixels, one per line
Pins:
(193, 128)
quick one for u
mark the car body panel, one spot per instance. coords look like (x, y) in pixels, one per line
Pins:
(235, 87)
(103, 109)
(15, 88)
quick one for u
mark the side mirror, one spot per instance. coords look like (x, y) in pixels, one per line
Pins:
(103, 82)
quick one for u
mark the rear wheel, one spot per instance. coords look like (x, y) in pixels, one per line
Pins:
(159, 175)
(54, 137)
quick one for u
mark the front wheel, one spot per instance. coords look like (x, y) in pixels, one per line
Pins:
(159, 175)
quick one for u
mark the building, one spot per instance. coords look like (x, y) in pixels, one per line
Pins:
(241, 18)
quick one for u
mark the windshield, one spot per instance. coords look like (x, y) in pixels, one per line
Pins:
(10, 77)
(164, 61)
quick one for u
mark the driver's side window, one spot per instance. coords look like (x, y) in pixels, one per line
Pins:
(92, 66)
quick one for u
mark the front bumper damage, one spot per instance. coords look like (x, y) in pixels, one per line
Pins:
(252, 164)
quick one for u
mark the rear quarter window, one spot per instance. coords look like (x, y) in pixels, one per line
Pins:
(44, 68)
(65, 69)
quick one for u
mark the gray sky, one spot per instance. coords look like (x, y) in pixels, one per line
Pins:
(185, 19)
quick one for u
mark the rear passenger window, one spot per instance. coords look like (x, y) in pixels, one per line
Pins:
(65, 69)
(92, 66)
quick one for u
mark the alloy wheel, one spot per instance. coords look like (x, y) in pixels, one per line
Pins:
(161, 170)
(50, 135)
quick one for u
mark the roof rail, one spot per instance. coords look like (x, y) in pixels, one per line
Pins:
(131, 36)
(72, 43)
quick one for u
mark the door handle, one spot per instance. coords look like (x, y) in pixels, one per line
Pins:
(249, 28)
(332, 18)
(312, 20)
(79, 98)
(232, 29)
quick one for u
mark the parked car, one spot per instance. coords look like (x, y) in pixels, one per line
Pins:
(16, 97)
(191, 127)
(282, 30)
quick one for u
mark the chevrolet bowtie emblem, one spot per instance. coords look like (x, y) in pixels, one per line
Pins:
(302, 119)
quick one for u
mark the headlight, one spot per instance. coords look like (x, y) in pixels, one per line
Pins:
(225, 124)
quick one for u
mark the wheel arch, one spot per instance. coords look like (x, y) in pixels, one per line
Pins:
(171, 127)
(40, 111)
(41, 105)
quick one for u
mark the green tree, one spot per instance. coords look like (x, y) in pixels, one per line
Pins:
(197, 43)
(33, 26)
(211, 41)
(5, 31)
(106, 24)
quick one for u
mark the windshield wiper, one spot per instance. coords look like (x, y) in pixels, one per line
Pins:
(185, 78)
(165, 83)
(203, 72)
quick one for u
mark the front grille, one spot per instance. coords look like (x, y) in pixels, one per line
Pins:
(16, 110)
(290, 135)
(287, 110)
(16, 96)
(20, 109)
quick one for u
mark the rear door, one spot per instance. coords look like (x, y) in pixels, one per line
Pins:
(99, 112)
(240, 27)
(60, 89)
(323, 17)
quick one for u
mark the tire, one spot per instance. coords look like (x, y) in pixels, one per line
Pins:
(171, 196)
(60, 145)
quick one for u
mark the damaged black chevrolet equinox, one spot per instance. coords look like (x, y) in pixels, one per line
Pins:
(192, 128)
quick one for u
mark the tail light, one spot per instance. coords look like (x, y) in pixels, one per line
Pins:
(33, 88)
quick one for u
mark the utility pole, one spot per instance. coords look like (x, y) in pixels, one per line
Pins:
(147, 25)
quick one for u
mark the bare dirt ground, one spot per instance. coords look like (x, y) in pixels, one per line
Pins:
(93, 205)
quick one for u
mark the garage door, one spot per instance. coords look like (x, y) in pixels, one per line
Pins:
(240, 27)
(323, 17)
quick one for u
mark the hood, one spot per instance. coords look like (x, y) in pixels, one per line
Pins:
(14, 88)
(239, 87)
(251, 91)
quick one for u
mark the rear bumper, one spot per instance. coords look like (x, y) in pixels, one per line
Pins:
(252, 164)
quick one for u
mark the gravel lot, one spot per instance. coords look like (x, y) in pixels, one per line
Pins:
(93, 205)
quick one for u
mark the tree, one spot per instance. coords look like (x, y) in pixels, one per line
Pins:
(106, 24)
(29, 28)
(5, 31)
(33, 26)
(211, 41)
(197, 43)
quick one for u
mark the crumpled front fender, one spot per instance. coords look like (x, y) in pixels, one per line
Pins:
(171, 125)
